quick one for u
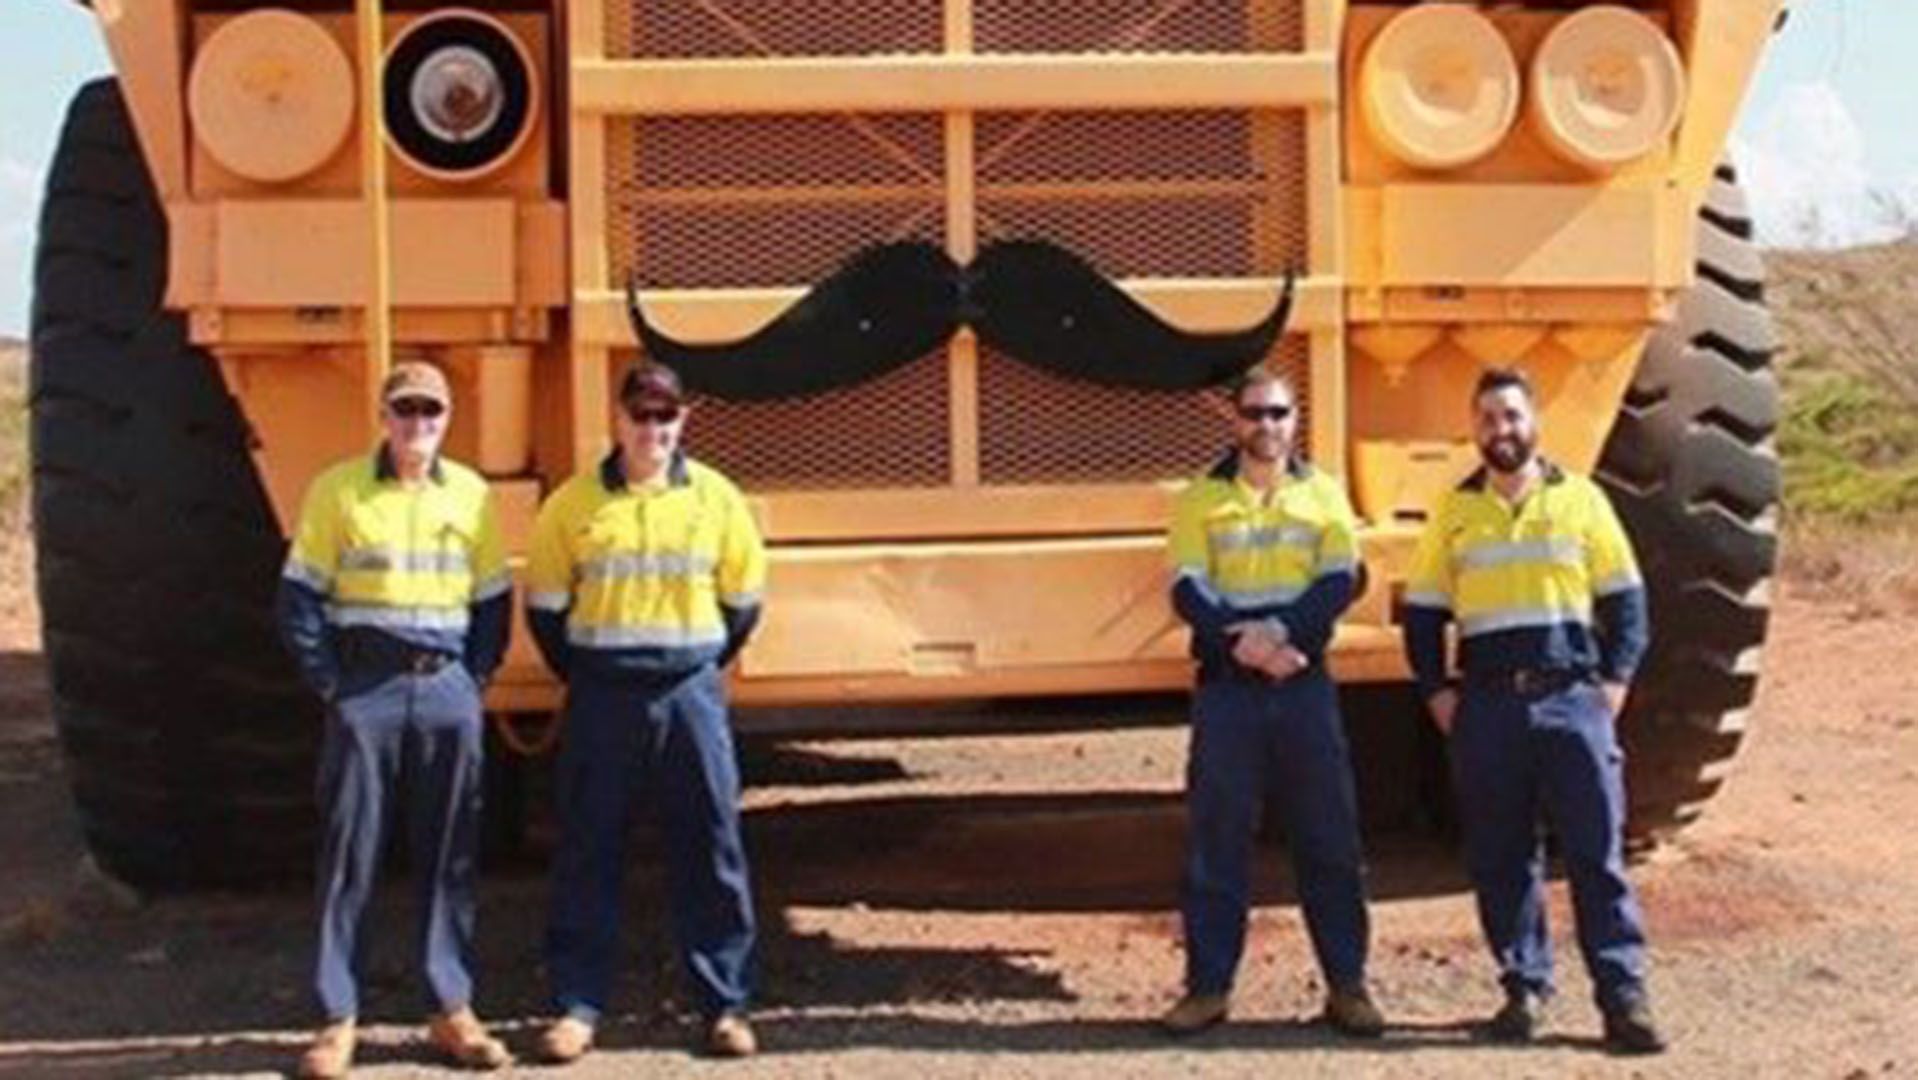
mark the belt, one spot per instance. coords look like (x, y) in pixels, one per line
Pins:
(386, 654)
(1528, 682)
(423, 662)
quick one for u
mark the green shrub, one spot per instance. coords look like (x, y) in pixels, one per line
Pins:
(1848, 448)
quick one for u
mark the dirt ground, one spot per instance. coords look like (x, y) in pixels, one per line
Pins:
(966, 907)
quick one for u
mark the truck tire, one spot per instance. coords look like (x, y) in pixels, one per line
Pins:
(1691, 467)
(188, 740)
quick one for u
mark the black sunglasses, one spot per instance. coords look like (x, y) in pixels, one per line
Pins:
(410, 407)
(1252, 414)
(658, 414)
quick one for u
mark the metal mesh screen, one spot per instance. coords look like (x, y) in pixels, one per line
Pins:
(721, 28)
(713, 202)
(1137, 26)
(1035, 428)
(718, 28)
(1202, 193)
(752, 201)
(888, 433)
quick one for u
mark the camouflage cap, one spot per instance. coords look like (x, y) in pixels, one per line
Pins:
(415, 378)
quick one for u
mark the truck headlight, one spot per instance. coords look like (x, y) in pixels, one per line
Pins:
(460, 97)
(271, 95)
(1439, 85)
(1607, 87)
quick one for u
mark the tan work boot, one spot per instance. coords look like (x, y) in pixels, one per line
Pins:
(731, 1036)
(1194, 1013)
(1518, 1021)
(461, 1037)
(566, 1041)
(1350, 1010)
(331, 1054)
(1631, 1030)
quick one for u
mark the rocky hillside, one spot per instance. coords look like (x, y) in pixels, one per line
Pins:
(1848, 322)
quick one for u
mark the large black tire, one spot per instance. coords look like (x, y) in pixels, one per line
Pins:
(1691, 467)
(188, 740)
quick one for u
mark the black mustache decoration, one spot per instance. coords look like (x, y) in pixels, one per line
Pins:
(893, 303)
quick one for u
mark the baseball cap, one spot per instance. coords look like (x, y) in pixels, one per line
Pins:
(651, 380)
(416, 378)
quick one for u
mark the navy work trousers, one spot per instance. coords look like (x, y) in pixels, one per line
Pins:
(666, 743)
(1513, 758)
(428, 727)
(1251, 737)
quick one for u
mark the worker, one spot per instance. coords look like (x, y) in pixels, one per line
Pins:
(394, 603)
(1265, 558)
(644, 583)
(1530, 562)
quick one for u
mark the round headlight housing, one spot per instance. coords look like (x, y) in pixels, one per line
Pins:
(1607, 87)
(1440, 86)
(271, 95)
(460, 97)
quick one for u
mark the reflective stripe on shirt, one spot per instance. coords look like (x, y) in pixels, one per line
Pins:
(388, 617)
(657, 637)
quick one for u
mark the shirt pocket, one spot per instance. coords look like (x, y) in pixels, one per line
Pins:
(704, 540)
(603, 535)
(451, 534)
(1228, 533)
(450, 545)
(368, 527)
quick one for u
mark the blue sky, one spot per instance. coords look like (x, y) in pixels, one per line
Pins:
(1827, 140)
(1863, 49)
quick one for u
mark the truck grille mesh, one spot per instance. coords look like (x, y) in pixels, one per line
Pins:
(732, 202)
(1058, 431)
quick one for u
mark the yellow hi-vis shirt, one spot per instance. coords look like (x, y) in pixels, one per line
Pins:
(410, 561)
(643, 569)
(1522, 581)
(1289, 555)
(1261, 552)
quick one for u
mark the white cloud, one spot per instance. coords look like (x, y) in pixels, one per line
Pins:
(1804, 166)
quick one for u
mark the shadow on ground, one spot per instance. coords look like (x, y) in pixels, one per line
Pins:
(207, 964)
(217, 983)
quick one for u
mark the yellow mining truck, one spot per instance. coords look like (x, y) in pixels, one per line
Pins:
(270, 203)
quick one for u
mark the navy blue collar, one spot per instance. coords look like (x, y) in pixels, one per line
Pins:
(1228, 466)
(385, 471)
(1481, 477)
(612, 471)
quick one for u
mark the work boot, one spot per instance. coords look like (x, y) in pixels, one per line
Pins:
(731, 1036)
(1194, 1013)
(460, 1036)
(1350, 1010)
(566, 1041)
(1518, 1021)
(331, 1054)
(1631, 1030)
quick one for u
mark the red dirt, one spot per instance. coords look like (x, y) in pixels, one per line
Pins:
(938, 919)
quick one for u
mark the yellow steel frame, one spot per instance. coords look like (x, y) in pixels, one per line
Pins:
(379, 296)
(962, 239)
(587, 395)
(1400, 300)
(958, 80)
(876, 530)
